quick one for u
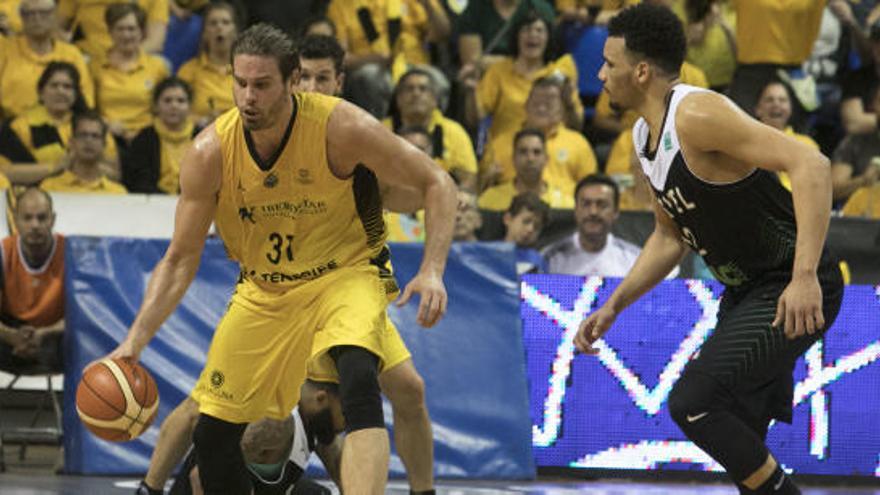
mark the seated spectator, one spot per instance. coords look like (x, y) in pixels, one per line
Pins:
(32, 289)
(86, 20)
(85, 172)
(711, 40)
(865, 202)
(593, 249)
(422, 22)
(523, 222)
(35, 143)
(479, 42)
(529, 161)
(774, 109)
(24, 57)
(857, 111)
(210, 73)
(415, 105)
(153, 163)
(467, 218)
(365, 31)
(321, 65)
(10, 21)
(851, 164)
(635, 190)
(125, 75)
(504, 88)
(570, 156)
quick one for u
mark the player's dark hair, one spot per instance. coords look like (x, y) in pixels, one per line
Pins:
(652, 32)
(319, 46)
(531, 202)
(598, 179)
(265, 40)
(79, 103)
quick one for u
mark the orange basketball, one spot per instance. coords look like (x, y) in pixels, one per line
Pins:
(117, 399)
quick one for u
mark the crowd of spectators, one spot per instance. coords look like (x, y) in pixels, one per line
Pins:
(95, 98)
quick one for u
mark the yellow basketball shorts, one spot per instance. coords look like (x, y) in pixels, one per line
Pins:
(267, 343)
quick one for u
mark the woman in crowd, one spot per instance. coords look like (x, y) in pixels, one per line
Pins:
(210, 72)
(504, 88)
(153, 163)
(125, 77)
(34, 145)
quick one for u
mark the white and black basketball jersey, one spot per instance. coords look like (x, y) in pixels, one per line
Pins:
(742, 229)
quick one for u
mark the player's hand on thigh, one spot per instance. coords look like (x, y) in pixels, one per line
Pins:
(593, 328)
(432, 298)
(799, 309)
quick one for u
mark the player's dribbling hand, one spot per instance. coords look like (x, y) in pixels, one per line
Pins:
(593, 328)
(125, 350)
(432, 295)
(800, 307)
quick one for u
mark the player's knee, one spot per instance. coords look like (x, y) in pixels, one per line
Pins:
(407, 394)
(693, 395)
(359, 387)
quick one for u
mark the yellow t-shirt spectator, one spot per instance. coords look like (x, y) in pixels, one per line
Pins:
(349, 31)
(776, 31)
(51, 145)
(4, 183)
(413, 39)
(714, 55)
(569, 158)
(457, 150)
(498, 198)
(503, 92)
(20, 69)
(211, 85)
(67, 181)
(89, 28)
(9, 8)
(690, 74)
(125, 97)
(865, 202)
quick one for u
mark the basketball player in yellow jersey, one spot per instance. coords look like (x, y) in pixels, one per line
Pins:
(292, 184)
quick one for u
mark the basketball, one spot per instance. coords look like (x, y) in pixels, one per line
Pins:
(116, 399)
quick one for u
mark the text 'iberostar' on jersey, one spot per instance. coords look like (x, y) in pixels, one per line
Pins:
(288, 219)
(741, 229)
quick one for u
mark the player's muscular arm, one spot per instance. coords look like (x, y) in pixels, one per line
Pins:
(200, 177)
(703, 118)
(663, 250)
(354, 137)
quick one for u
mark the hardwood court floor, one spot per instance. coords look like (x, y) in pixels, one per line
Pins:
(41, 484)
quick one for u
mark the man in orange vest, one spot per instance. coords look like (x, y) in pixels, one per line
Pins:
(32, 289)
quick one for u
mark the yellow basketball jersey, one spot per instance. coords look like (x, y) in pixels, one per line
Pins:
(293, 220)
